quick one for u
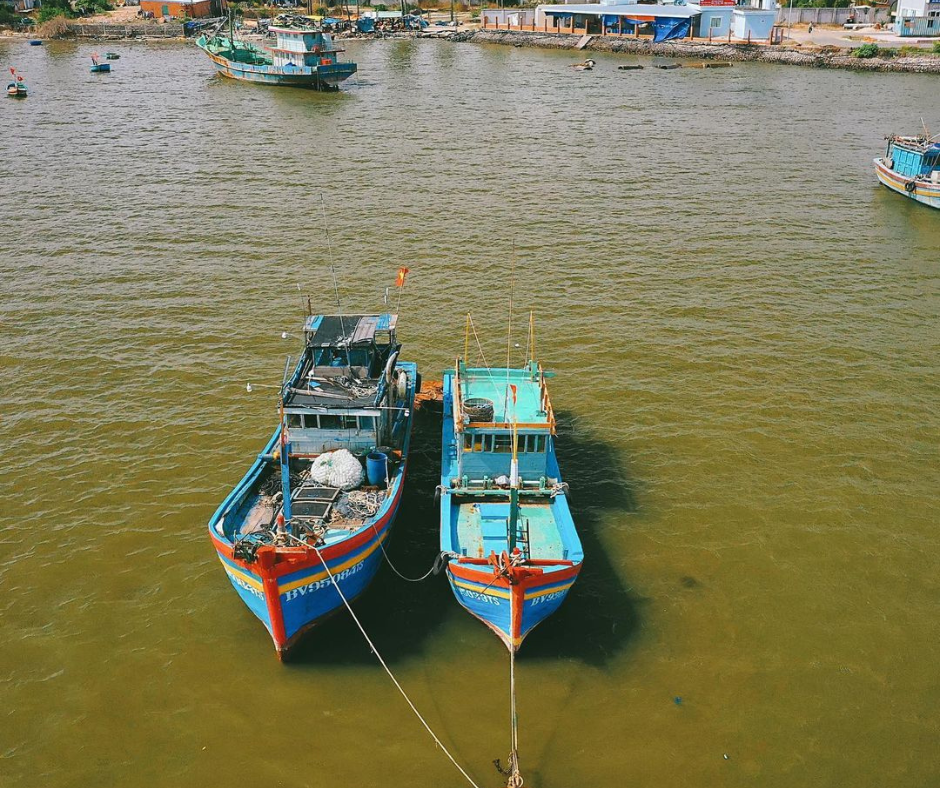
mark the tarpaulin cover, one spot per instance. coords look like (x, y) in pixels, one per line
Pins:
(667, 29)
(365, 25)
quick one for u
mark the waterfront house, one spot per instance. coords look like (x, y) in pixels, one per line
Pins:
(917, 18)
(711, 19)
(191, 9)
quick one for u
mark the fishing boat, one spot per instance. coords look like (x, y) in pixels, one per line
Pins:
(505, 523)
(35, 42)
(16, 87)
(304, 56)
(303, 532)
(98, 67)
(911, 166)
(112, 56)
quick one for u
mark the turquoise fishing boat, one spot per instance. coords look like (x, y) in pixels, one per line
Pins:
(505, 525)
(303, 57)
(911, 166)
(302, 533)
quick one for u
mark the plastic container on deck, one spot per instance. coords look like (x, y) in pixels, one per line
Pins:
(376, 468)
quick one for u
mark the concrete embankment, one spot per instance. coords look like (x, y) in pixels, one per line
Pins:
(830, 57)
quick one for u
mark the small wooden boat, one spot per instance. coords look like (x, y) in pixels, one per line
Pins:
(303, 57)
(668, 66)
(911, 166)
(506, 527)
(112, 56)
(289, 536)
(630, 67)
(97, 67)
(35, 42)
(587, 65)
(16, 88)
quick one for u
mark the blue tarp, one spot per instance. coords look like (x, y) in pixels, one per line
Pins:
(666, 29)
(365, 25)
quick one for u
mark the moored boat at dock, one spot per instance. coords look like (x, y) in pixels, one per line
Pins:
(301, 531)
(505, 523)
(911, 166)
(303, 56)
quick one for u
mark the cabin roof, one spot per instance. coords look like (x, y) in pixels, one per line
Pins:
(337, 392)
(344, 330)
(493, 384)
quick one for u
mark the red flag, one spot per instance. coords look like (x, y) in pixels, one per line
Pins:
(402, 273)
(513, 389)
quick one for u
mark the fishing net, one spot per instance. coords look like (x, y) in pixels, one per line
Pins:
(337, 469)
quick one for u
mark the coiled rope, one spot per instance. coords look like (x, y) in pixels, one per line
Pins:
(391, 675)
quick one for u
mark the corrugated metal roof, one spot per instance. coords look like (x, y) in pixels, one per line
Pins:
(598, 9)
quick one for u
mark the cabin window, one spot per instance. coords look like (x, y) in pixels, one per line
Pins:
(349, 422)
(502, 444)
(478, 442)
(467, 442)
(367, 423)
(311, 422)
(715, 22)
(295, 421)
(330, 422)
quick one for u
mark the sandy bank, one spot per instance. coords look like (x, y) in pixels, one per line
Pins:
(828, 57)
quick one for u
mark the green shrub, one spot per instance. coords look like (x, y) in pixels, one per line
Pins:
(7, 17)
(936, 47)
(866, 50)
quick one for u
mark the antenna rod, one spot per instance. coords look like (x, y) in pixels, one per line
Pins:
(339, 308)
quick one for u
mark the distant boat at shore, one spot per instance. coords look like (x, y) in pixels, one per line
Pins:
(303, 57)
(911, 166)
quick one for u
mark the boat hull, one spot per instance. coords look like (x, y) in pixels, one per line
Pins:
(325, 77)
(919, 191)
(511, 610)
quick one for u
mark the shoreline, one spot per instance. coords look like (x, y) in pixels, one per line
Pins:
(780, 55)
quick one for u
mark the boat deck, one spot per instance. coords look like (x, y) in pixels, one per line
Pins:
(481, 529)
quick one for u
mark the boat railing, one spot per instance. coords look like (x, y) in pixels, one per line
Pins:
(544, 403)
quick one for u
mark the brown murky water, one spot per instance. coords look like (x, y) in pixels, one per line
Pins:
(744, 327)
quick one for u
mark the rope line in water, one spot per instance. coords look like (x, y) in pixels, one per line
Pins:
(378, 656)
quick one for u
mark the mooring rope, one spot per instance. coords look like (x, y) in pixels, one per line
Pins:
(515, 777)
(391, 675)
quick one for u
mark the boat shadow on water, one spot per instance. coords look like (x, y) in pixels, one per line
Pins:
(596, 621)
(599, 617)
(399, 616)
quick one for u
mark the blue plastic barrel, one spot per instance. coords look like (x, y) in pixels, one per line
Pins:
(376, 468)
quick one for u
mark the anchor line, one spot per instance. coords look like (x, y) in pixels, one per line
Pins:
(391, 675)
(515, 777)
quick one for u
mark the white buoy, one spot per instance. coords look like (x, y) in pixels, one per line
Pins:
(248, 388)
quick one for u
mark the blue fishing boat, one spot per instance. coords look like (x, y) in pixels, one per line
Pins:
(35, 42)
(303, 56)
(305, 527)
(911, 166)
(505, 523)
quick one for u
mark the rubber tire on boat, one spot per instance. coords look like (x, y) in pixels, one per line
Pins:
(437, 497)
(909, 187)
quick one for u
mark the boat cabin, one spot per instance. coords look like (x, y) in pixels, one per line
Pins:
(303, 48)
(343, 392)
(914, 157)
(488, 406)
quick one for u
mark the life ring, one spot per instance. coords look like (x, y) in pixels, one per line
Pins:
(910, 186)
